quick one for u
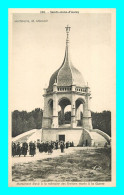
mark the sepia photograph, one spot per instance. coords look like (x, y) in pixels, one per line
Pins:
(62, 97)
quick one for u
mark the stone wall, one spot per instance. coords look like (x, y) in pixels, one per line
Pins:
(70, 135)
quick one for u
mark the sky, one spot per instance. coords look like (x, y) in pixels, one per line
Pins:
(38, 50)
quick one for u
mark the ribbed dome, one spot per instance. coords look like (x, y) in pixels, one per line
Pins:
(67, 74)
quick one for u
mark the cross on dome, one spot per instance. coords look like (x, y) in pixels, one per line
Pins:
(67, 28)
(67, 31)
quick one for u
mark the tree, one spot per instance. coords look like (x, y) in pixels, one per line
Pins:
(102, 121)
(24, 121)
(31, 123)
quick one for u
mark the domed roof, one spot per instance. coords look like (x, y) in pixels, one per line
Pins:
(67, 74)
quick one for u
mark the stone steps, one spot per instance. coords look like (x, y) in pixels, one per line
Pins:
(98, 140)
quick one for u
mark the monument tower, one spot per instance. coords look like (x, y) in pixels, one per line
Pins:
(67, 87)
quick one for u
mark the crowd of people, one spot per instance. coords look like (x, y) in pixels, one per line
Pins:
(47, 147)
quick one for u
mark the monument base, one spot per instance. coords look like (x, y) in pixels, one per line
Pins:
(79, 136)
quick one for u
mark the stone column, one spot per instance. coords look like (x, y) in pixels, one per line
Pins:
(87, 120)
(46, 121)
(73, 118)
(77, 115)
(55, 107)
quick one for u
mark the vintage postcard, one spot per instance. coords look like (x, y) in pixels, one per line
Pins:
(62, 97)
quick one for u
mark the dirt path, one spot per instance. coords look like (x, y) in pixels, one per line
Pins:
(41, 156)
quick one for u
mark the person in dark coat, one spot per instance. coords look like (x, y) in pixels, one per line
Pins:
(50, 148)
(62, 146)
(24, 148)
(56, 145)
(18, 149)
(40, 144)
(35, 145)
(66, 144)
(46, 147)
(72, 144)
(41, 147)
(52, 145)
(32, 148)
(13, 149)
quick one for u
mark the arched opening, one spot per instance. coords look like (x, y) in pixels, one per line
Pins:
(79, 111)
(67, 114)
(64, 113)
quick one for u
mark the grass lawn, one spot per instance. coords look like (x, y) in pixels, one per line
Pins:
(82, 165)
